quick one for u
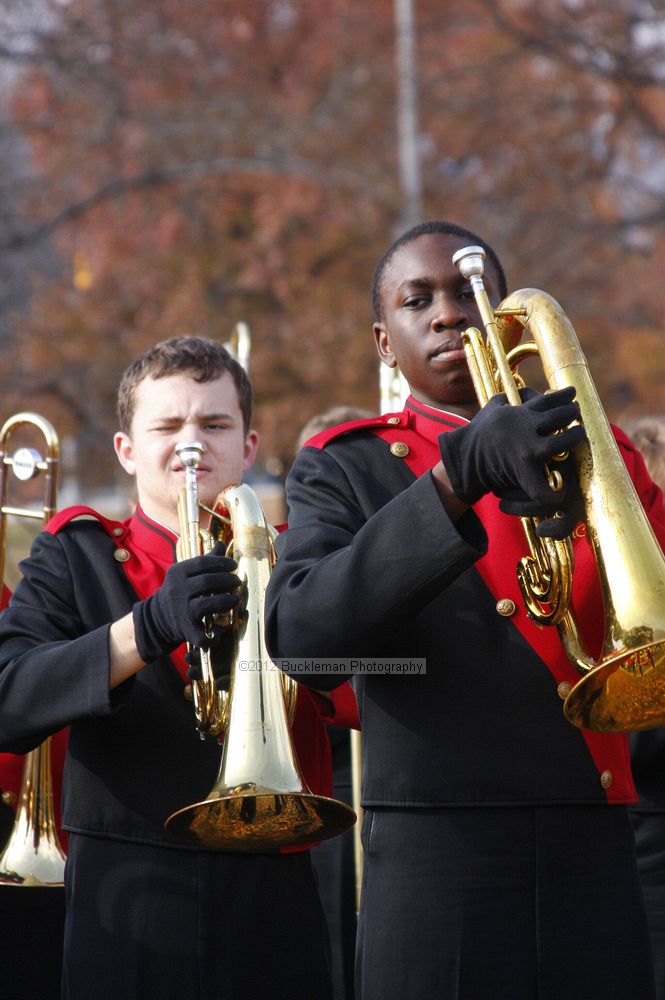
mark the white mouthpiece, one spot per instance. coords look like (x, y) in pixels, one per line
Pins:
(470, 261)
(189, 453)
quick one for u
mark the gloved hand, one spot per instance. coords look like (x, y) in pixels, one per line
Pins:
(220, 658)
(504, 450)
(192, 589)
(569, 504)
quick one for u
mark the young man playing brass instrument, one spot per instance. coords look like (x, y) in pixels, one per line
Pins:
(498, 854)
(94, 639)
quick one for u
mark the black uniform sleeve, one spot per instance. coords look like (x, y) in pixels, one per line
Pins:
(54, 658)
(348, 576)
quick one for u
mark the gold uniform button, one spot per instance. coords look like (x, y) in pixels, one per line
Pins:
(117, 532)
(606, 779)
(9, 798)
(399, 449)
(563, 689)
(121, 555)
(187, 691)
(393, 420)
(505, 607)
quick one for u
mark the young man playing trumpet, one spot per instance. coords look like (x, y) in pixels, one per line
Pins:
(94, 639)
(498, 854)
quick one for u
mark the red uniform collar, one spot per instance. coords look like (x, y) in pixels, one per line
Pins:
(150, 537)
(429, 421)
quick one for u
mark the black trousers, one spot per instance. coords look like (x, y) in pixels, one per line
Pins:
(181, 925)
(334, 864)
(649, 830)
(537, 903)
(31, 930)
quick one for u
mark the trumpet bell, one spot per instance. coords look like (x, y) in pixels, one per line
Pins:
(260, 801)
(254, 820)
(625, 692)
(33, 856)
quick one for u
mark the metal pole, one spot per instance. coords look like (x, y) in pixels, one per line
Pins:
(407, 113)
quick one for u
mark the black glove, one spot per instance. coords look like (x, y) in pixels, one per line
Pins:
(504, 450)
(220, 659)
(568, 501)
(192, 589)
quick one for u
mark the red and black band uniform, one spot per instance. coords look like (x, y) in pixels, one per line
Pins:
(146, 916)
(489, 817)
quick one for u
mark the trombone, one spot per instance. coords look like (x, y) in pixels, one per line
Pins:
(33, 855)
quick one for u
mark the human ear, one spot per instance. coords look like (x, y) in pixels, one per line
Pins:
(124, 450)
(251, 447)
(383, 345)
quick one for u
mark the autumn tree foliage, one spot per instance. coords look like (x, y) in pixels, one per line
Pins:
(182, 167)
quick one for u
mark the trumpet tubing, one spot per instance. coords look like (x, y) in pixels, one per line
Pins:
(194, 540)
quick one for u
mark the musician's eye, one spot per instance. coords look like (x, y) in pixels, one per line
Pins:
(415, 301)
(218, 425)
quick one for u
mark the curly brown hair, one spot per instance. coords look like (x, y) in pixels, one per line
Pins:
(204, 359)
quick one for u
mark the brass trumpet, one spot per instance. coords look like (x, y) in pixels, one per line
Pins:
(194, 540)
(625, 688)
(33, 855)
(260, 800)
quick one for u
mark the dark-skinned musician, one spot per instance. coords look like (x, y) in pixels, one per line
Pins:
(93, 639)
(498, 854)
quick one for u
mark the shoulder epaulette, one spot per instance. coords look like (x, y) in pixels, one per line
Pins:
(374, 424)
(113, 528)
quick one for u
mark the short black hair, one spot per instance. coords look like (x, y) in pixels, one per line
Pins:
(203, 359)
(426, 229)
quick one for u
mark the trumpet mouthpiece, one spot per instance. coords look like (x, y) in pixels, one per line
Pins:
(470, 261)
(189, 453)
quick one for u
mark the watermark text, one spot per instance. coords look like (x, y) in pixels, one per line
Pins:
(341, 665)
